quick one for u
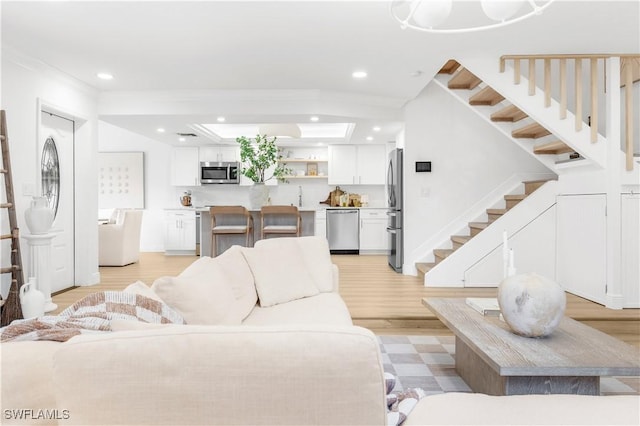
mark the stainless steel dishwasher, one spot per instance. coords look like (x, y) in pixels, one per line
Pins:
(343, 231)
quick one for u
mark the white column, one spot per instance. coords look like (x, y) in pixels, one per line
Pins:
(614, 296)
(40, 265)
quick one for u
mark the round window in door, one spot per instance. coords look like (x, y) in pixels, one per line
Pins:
(50, 172)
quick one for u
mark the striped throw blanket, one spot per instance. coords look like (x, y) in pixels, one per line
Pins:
(91, 314)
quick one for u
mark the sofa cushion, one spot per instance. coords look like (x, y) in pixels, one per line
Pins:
(223, 375)
(315, 255)
(27, 371)
(143, 290)
(238, 276)
(281, 274)
(206, 298)
(325, 308)
(480, 409)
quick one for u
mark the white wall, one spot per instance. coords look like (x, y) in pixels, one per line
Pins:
(25, 82)
(469, 160)
(158, 193)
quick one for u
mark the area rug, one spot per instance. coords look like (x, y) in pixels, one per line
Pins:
(428, 362)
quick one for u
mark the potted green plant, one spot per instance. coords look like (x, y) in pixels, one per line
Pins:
(259, 158)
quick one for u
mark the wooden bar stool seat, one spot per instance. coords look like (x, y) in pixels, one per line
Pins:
(239, 222)
(270, 216)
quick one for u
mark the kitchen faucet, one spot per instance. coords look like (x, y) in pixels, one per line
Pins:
(299, 196)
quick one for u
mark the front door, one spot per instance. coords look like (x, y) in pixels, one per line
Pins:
(56, 145)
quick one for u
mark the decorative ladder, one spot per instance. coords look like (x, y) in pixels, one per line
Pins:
(11, 309)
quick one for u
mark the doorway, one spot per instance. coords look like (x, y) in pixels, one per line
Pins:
(57, 183)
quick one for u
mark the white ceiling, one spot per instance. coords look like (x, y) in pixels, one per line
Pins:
(278, 61)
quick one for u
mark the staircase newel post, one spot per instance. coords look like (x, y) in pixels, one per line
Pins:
(614, 293)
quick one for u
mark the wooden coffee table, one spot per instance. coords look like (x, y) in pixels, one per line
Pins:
(493, 360)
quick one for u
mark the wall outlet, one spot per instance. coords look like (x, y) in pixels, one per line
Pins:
(28, 189)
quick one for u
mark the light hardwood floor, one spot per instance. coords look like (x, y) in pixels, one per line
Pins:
(377, 297)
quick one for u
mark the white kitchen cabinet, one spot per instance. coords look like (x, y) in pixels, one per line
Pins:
(219, 153)
(373, 231)
(357, 165)
(185, 166)
(180, 232)
(321, 224)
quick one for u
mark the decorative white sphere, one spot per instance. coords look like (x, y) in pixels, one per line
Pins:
(531, 305)
(430, 13)
(501, 10)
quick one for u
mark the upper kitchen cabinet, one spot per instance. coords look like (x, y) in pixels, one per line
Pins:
(220, 153)
(184, 166)
(357, 164)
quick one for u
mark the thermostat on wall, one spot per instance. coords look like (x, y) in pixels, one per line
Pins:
(423, 166)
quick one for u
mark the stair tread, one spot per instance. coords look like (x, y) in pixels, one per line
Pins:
(450, 67)
(537, 181)
(443, 252)
(464, 79)
(553, 147)
(530, 131)
(479, 225)
(424, 267)
(487, 96)
(515, 196)
(497, 211)
(509, 113)
(462, 239)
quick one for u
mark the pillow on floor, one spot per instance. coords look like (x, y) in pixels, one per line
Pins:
(205, 298)
(280, 275)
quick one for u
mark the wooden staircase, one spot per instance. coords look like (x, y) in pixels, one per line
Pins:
(457, 241)
(463, 79)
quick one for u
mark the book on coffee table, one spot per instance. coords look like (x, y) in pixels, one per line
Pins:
(484, 305)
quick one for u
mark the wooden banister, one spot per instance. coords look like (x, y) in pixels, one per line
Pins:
(630, 74)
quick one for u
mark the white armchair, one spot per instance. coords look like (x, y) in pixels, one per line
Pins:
(119, 243)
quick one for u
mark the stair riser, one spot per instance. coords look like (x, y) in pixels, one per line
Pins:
(494, 217)
(475, 231)
(456, 246)
(529, 187)
(511, 203)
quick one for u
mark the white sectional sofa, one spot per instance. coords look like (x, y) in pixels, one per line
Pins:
(269, 341)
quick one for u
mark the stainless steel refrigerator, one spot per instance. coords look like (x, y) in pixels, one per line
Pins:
(394, 201)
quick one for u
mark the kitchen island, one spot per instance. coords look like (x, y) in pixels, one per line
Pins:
(308, 216)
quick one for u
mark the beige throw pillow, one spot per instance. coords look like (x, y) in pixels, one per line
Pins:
(280, 275)
(205, 298)
(315, 254)
(143, 290)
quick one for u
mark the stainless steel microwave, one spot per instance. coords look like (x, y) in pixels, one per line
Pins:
(219, 172)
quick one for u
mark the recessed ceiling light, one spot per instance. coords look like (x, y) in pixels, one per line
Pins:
(314, 118)
(105, 76)
(359, 74)
(369, 138)
(320, 144)
(221, 119)
(376, 129)
(182, 139)
(160, 130)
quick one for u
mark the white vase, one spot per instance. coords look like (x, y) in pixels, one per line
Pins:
(258, 195)
(31, 300)
(531, 305)
(39, 216)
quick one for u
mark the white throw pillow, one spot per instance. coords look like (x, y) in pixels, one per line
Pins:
(239, 275)
(315, 254)
(205, 298)
(281, 274)
(143, 290)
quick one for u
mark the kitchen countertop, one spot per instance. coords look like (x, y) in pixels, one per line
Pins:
(302, 209)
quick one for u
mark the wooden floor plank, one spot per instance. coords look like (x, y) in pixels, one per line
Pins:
(377, 297)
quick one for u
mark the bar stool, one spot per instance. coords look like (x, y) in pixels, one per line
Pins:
(241, 215)
(289, 214)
